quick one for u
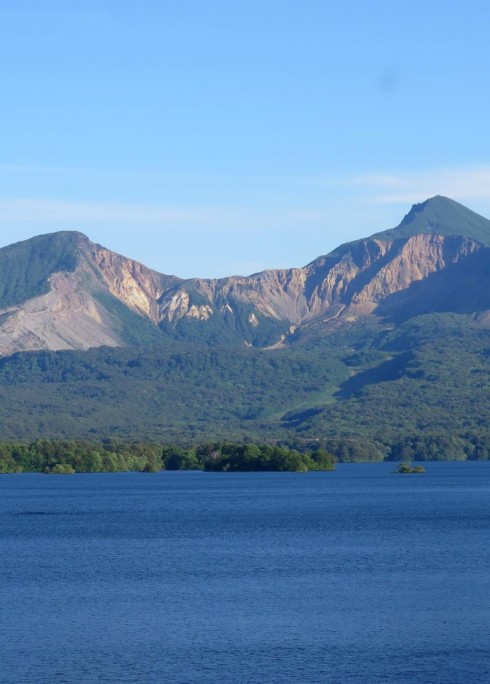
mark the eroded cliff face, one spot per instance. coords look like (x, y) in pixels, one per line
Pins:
(350, 283)
(137, 286)
(275, 294)
(410, 261)
(178, 305)
(353, 281)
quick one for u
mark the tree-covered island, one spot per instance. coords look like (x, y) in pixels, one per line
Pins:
(69, 456)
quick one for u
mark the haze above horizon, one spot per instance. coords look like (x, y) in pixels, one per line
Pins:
(205, 139)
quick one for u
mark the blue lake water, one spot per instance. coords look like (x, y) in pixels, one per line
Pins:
(359, 575)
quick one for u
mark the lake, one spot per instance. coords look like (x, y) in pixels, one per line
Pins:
(357, 575)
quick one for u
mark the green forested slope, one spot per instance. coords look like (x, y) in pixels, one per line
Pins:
(178, 394)
(365, 392)
(433, 384)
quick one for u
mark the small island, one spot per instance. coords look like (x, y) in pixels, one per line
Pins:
(59, 469)
(408, 468)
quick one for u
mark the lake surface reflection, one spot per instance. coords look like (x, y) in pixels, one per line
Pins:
(358, 575)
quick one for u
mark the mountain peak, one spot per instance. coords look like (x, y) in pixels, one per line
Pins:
(26, 266)
(440, 215)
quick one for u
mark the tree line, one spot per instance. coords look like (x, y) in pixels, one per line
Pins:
(116, 455)
(75, 456)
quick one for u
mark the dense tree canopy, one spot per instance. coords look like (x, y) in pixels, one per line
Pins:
(366, 393)
(68, 456)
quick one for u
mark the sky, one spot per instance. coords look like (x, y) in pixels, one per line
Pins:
(210, 137)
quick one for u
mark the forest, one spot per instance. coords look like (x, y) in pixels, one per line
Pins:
(418, 391)
(116, 455)
(69, 456)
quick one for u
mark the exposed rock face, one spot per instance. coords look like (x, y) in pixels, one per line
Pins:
(351, 282)
(67, 317)
(79, 308)
(409, 261)
(129, 281)
(179, 306)
(76, 311)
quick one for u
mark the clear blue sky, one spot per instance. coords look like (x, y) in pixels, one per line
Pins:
(210, 137)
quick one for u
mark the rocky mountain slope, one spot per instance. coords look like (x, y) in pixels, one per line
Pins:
(381, 346)
(61, 291)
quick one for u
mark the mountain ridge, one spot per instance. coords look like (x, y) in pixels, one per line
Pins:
(63, 291)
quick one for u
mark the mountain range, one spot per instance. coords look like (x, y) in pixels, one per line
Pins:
(294, 353)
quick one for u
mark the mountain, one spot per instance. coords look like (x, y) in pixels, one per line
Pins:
(377, 346)
(62, 291)
(441, 216)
